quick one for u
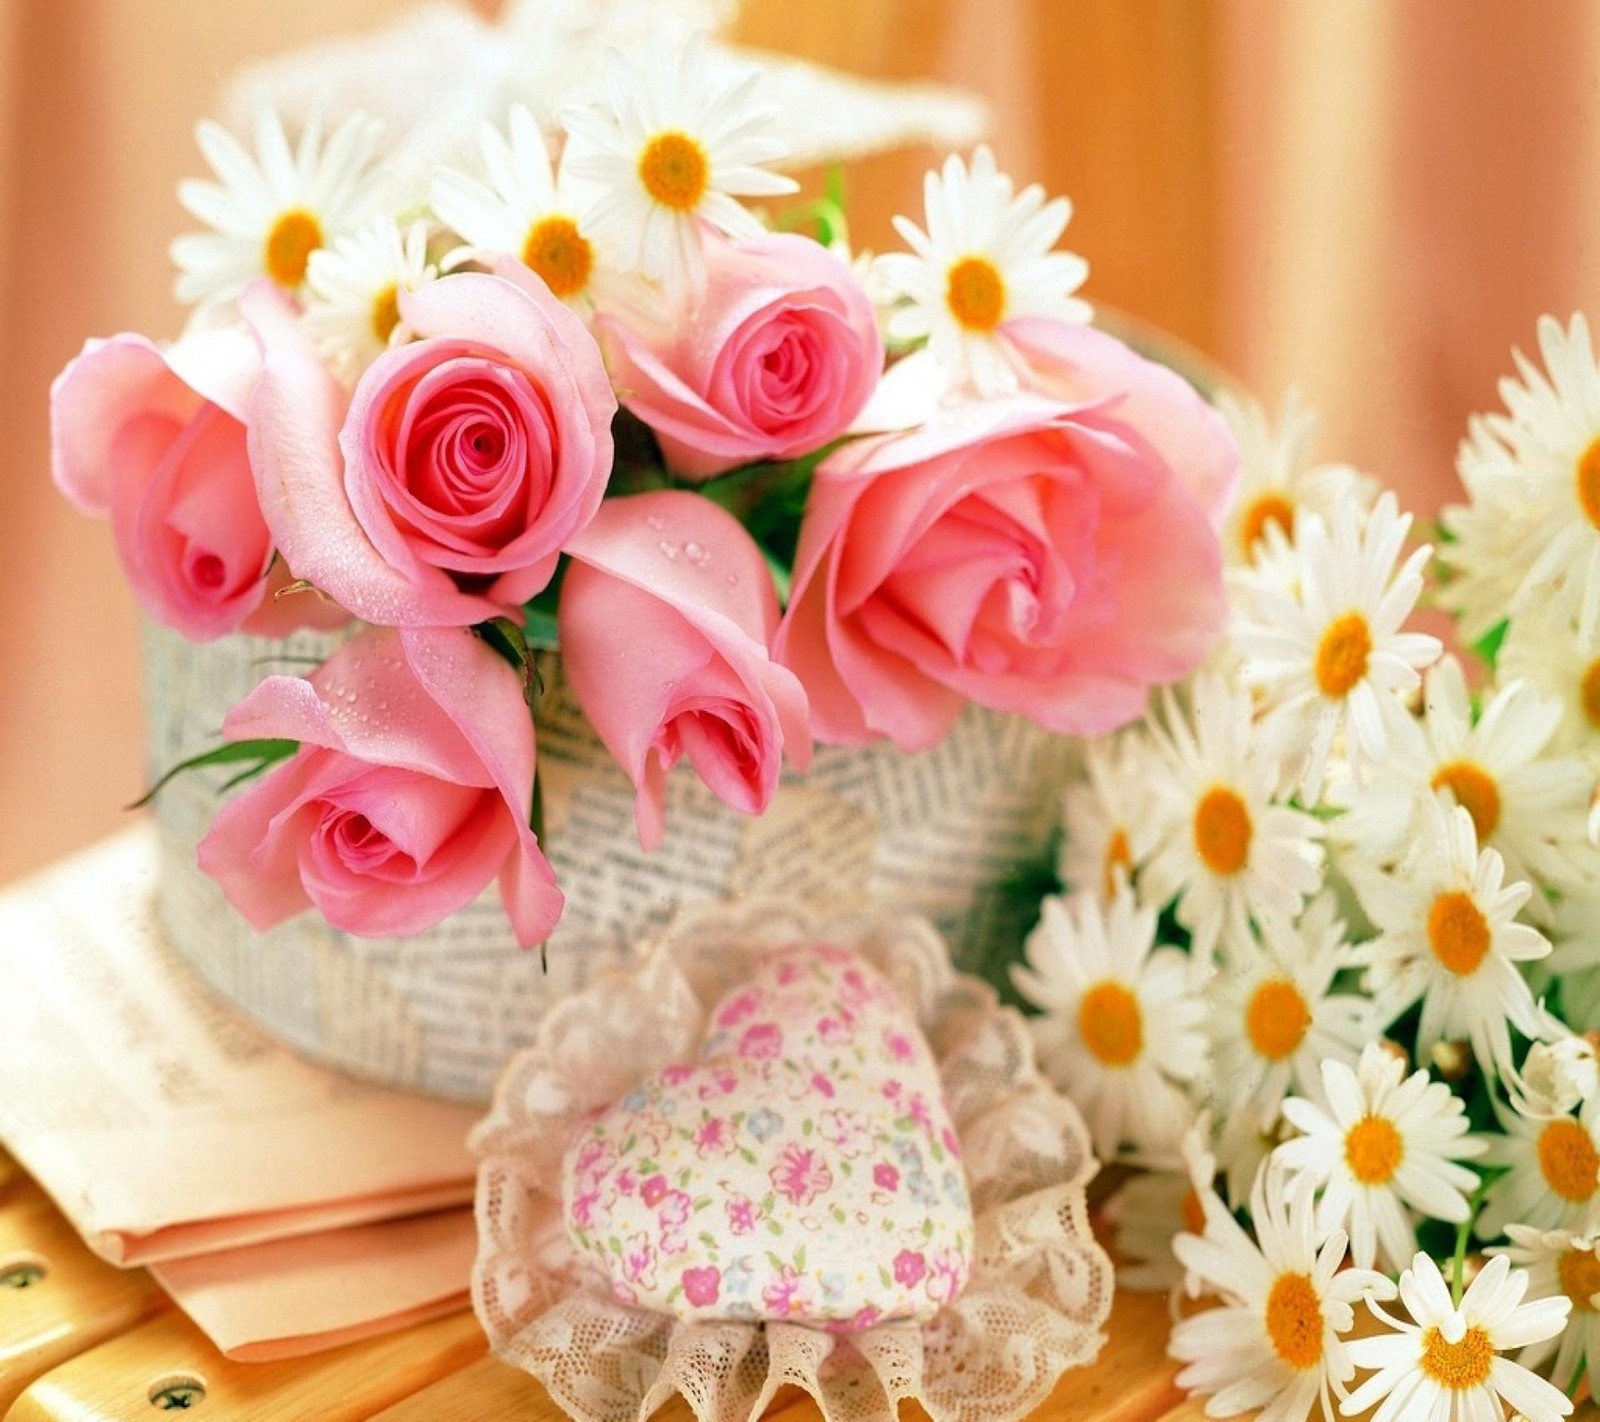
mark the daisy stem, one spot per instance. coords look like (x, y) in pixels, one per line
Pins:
(1458, 1262)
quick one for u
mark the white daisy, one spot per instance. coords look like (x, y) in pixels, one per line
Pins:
(674, 148)
(1120, 1030)
(1153, 1205)
(1552, 1171)
(1448, 936)
(1243, 1147)
(1483, 564)
(269, 212)
(1544, 646)
(1384, 1142)
(1574, 960)
(1276, 1342)
(1326, 650)
(1531, 808)
(1561, 1265)
(984, 261)
(1107, 830)
(353, 291)
(526, 209)
(1225, 851)
(1275, 1017)
(1556, 1078)
(1276, 476)
(1533, 474)
(1445, 1363)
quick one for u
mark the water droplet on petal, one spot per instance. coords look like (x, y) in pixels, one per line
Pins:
(656, 522)
(696, 554)
(668, 550)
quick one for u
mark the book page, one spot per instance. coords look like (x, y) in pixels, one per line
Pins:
(160, 1119)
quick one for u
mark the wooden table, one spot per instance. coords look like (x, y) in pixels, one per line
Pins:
(81, 1341)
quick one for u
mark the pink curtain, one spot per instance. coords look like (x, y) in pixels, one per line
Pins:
(1371, 199)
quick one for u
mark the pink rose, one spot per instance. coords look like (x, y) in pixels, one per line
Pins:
(1040, 557)
(776, 360)
(156, 440)
(665, 616)
(465, 462)
(410, 792)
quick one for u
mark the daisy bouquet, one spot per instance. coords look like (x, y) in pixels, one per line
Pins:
(600, 387)
(1325, 959)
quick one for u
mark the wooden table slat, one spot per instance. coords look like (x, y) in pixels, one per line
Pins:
(78, 1301)
(114, 1382)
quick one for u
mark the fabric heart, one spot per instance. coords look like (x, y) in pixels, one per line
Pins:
(804, 1168)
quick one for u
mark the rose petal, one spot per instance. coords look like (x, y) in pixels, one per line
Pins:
(294, 428)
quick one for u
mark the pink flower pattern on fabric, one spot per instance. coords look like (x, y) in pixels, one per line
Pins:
(822, 1188)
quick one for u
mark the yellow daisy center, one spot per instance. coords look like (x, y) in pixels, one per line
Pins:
(1589, 483)
(975, 292)
(289, 245)
(1118, 856)
(1373, 1150)
(1271, 508)
(1580, 1278)
(1111, 1024)
(1457, 1366)
(1569, 1161)
(1342, 654)
(1589, 693)
(1276, 1018)
(1193, 1213)
(1475, 790)
(1294, 1321)
(1222, 831)
(1458, 933)
(559, 254)
(675, 171)
(385, 312)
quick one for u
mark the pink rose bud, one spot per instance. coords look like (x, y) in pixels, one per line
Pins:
(466, 459)
(665, 618)
(1049, 558)
(410, 794)
(156, 440)
(776, 360)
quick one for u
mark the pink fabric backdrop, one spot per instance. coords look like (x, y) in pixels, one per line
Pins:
(1372, 201)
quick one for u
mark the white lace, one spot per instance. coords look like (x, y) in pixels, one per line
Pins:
(1041, 1287)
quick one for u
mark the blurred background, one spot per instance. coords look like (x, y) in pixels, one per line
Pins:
(1371, 200)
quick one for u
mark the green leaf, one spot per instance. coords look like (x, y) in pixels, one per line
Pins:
(260, 754)
(800, 1259)
(1488, 646)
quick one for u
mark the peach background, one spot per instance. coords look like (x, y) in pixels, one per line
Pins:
(1371, 199)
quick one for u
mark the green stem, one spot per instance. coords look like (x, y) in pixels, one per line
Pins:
(1458, 1262)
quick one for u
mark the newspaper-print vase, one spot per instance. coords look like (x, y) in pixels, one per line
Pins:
(946, 833)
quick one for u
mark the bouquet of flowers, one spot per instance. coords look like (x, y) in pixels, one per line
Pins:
(578, 395)
(1326, 959)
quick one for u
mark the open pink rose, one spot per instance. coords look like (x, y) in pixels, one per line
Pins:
(1032, 555)
(410, 794)
(155, 439)
(777, 358)
(665, 617)
(466, 459)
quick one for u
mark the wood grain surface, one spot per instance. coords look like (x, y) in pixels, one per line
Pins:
(86, 1342)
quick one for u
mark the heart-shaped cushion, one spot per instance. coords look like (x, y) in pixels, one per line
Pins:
(804, 1168)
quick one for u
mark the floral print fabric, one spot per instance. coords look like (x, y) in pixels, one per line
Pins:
(803, 1169)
